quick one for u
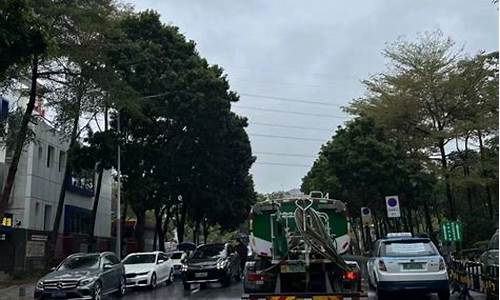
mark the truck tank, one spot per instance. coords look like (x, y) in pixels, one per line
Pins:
(273, 224)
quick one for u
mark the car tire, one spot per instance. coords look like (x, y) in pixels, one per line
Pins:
(444, 295)
(153, 282)
(226, 280)
(170, 278)
(97, 291)
(122, 288)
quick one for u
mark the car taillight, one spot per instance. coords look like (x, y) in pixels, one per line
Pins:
(442, 265)
(381, 266)
(256, 277)
(350, 275)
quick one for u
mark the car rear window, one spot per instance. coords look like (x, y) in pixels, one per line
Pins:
(408, 248)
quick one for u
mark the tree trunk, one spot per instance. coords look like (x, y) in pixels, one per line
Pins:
(196, 230)
(52, 243)
(181, 221)
(488, 190)
(428, 219)
(410, 222)
(165, 228)
(20, 139)
(95, 205)
(205, 231)
(444, 167)
(139, 228)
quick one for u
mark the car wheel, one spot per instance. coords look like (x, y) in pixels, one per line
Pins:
(122, 288)
(170, 278)
(97, 291)
(238, 276)
(153, 282)
(226, 280)
(444, 295)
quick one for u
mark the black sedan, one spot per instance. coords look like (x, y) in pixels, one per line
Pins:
(211, 263)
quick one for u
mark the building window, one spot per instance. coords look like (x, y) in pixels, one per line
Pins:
(50, 156)
(47, 217)
(62, 160)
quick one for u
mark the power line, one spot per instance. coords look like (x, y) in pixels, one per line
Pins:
(291, 112)
(284, 154)
(285, 137)
(290, 99)
(290, 126)
(281, 164)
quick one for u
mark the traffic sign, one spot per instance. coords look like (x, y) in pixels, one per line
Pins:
(392, 205)
(452, 231)
(366, 215)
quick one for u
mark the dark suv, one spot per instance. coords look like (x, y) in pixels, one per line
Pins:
(83, 276)
(211, 263)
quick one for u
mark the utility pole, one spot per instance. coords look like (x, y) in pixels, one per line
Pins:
(118, 197)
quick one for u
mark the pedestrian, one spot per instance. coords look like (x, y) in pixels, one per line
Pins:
(242, 251)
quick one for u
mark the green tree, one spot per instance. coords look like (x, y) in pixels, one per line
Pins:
(422, 98)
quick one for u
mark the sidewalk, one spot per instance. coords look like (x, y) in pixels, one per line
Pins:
(15, 292)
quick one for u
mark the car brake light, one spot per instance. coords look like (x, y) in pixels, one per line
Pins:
(351, 276)
(442, 266)
(381, 266)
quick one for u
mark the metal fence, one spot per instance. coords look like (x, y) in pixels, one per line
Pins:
(468, 276)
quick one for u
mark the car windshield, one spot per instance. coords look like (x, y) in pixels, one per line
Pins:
(408, 248)
(140, 259)
(176, 255)
(209, 251)
(80, 262)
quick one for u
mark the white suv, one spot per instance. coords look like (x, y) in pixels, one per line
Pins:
(407, 264)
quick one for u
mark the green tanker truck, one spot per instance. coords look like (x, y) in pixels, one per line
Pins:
(298, 244)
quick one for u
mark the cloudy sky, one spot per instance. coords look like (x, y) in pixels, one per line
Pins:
(294, 63)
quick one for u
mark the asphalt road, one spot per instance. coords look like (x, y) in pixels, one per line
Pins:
(176, 291)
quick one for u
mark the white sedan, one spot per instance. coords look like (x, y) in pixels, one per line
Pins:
(148, 269)
(407, 264)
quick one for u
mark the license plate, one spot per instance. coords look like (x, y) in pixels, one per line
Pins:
(413, 266)
(202, 274)
(59, 294)
(293, 268)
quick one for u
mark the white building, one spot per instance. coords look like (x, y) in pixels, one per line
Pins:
(39, 177)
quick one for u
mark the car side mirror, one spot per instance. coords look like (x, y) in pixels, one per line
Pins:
(160, 261)
(52, 269)
(107, 267)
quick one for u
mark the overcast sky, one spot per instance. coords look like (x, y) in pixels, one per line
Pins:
(312, 51)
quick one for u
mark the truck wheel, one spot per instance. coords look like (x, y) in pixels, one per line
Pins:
(381, 295)
(444, 295)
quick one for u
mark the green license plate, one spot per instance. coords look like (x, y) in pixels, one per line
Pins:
(413, 266)
(293, 268)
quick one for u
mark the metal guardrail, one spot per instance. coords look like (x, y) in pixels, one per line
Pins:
(468, 276)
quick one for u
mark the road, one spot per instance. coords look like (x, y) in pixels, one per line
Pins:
(176, 291)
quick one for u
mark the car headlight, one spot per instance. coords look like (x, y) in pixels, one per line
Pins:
(87, 281)
(142, 273)
(39, 285)
(184, 268)
(222, 264)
